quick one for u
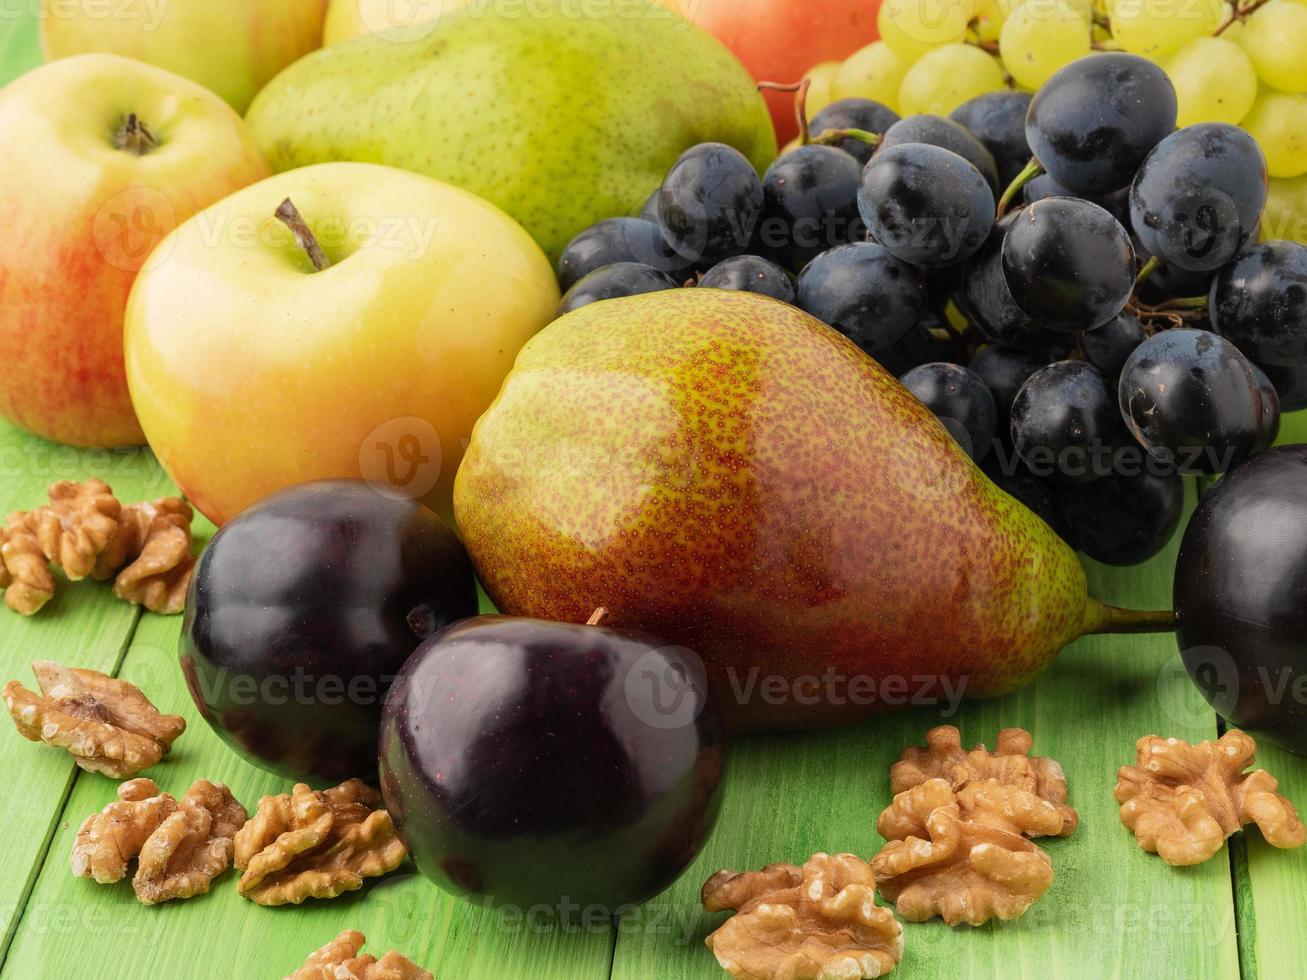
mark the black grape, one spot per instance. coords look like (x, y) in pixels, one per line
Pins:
(1116, 203)
(710, 203)
(1004, 370)
(998, 120)
(1290, 383)
(1192, 400)
(750, 274)
(987, 302)
(1259, 303)
(1065, 422)
(1093, 122)
(1068, 263)
(1270, 429)
(811, 204)
(1122, 519)
(1109, 346)
(618, 240)
(865, 293)
(613, 282)
(954, 393)
(864, 114)
(946, 134)
(921, 345)
(926, 205)
(1199, 196)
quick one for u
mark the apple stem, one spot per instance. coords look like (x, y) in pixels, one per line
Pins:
(1101, 618)
(597, 617)
(134, 137)
(800, 88)
(290, 216)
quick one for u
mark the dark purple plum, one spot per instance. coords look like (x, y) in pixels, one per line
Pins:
(301, 612)
(532, 763)
(1239, 585)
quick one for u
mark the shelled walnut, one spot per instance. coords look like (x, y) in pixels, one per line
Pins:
(29, 584)
(160, 551)
(180, 848)
(80, 522)
(192, 846)
(817, 922)
(943, 861)
(106, 724)
(1010, 764)
(109, 840)
(1182, 801)
(308, 844)
(340, 960)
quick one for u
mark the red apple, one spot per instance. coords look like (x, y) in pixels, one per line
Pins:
(103, 157)
(779, 40)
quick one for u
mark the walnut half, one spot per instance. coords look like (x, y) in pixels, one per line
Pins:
(106, 724)
(340, 960)
(817, 922)
(1182, 801)
(1010, 764)
(943, 861)
(309, 844)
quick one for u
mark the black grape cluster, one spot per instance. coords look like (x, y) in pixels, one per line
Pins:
(1071, 284)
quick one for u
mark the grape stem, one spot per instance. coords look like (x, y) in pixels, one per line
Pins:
(829, 137)
(290, 216)
(1032, 170)
(1239, 12)
(1149, 267)
(800, 88)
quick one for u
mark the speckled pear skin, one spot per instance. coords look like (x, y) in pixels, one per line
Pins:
(726, 472)
(561, 120)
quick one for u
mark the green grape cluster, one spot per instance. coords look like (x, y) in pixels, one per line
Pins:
(1242, 62)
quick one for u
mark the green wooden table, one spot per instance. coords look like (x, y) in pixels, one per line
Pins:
(1112, 910)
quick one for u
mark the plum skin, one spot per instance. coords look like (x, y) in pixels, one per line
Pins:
(522, 766)
(303, 609)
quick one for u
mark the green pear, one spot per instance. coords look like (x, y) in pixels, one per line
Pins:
(560, 113)
(729, 474)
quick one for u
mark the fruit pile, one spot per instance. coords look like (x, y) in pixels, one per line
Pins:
(1090, 325)
(1243, 64)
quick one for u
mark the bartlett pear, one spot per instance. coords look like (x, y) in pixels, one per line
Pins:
(725, 472)
(563, 114)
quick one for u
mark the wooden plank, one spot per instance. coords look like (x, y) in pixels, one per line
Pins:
(84, 625)
(72, 926)
(1112, 910)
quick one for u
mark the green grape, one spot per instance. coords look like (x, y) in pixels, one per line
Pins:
(948, 76)
(1040, 37)
(1276, 122)
(1214, 81)
(913, 27)
(990, 17)
(1157, 29)
(1275, 37)
(1285, 216)
(875, 73)
(821, 88)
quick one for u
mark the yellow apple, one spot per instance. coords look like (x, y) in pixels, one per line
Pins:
(253, 370)
(232, 47)
(350, 18)
(103, 158)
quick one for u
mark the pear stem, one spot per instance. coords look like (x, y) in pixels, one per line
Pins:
(1101, 618)
(133, 136)
(290, 216)
(597, 617)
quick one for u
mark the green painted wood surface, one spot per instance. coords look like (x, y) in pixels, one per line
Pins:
(1112, 911)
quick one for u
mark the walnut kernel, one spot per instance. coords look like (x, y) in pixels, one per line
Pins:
(1010, 764)
(108, 841)
(159, 549)
(192, 847)
(1182, 801)
(106, 724)
(77, 525)
(308, 844)
(948, 864)
(30, 584)
(817, 922)
(340, 960)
